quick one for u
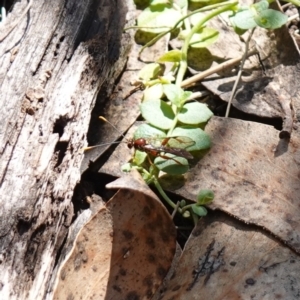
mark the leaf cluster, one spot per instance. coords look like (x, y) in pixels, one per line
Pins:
(168, 109)
(176, 118)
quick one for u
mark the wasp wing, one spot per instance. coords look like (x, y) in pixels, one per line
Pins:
(181, 142)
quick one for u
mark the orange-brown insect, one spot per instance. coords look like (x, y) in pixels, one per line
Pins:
(144, 145)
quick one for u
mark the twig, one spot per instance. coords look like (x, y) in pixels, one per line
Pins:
(175, 209)
(184, 51)
(288, 122)
(198, 77)
(238, 78)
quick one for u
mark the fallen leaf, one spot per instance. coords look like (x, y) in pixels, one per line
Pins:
(277, 63)
(225, 259)
(121, 155)
(123, 252)
(253, 174)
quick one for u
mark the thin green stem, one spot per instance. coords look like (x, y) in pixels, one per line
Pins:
(203, 9)
(195, 218)
(186, 207)
(165, 196)
(195, 29)
(175, 120)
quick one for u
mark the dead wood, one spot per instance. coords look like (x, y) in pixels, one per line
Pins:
(53, 64)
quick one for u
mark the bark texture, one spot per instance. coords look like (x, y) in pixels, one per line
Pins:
(53, 65)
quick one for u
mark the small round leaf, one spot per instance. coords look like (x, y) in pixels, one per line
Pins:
(174, 165)
(171, 56)
(260, 6)
(126, 167)
(158, 113)
(205, 197)
(199, 210)
(270, 19)
(158, 18)
(174, 93)
(153, 92)
(194, 113)
(243, 20)
(150, 71)
(203, 38)
(201, 138)
(139, 157)
(147, 131)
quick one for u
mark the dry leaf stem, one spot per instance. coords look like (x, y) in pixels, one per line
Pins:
(238, 78)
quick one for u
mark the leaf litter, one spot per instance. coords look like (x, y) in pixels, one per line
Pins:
(255, 178)
(124, 251)
(227, 259)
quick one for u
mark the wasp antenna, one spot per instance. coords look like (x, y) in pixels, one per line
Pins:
(103, 119)
(105, 144)
(112, 125)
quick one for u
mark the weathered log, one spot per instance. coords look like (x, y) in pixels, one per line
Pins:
(53, 64)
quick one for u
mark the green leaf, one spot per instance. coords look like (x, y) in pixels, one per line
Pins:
(139, 157)
(205, 1)
(186, 95)
(158, 18)
(153, 92)
(142, 3)
(258, 14)
(200, 58)
(166, 79)
(199, 210)
(182, 203)
(181, 142)
(270, 19)
(150, 71)
(203, 38)
(205, 197)
(126, 167)
(201, 138)
(170, 56)
(147, 131)
(238, 30)
(157, 2)
(174, 165)
(295, 2)
(243, 20)
(186, 214)
(182, 3)
(195, 18)
(158, 113)
(260, 6)
(174, 93)
(194, 113)
(147, 177)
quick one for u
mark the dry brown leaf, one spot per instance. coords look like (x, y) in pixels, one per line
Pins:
(277, 63)
(225, 259)
(121, 155)
(255, 94)
(254, 175)
(124, 252)
(86, 269)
